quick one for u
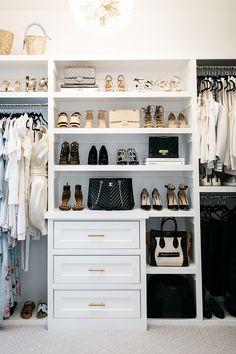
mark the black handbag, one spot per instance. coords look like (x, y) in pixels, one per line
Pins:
(110, 194)
(163, 146)
(169, 248)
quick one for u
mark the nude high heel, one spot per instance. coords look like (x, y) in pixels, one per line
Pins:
(182, 121)
(66, 194)
(78, 198)
(89, 119)
(172, 121)
(101, 119)
(171, 197)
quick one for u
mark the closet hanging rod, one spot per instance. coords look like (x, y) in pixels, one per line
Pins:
(216, 70)
(23, 104)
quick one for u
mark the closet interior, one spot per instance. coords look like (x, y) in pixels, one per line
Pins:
(116, 244)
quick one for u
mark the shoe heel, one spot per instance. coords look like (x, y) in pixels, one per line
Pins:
(145, 200)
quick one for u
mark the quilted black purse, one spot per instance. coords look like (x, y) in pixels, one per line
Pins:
(169, 248)
(110, 194)
(163, 146)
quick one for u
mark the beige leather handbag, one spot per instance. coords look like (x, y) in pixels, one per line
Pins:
(124, 118)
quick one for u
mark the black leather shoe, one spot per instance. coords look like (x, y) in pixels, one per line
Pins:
(103, 157)
(206, 309)
(216, 309)
(93, 156)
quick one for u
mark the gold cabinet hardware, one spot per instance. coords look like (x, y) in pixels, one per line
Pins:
(96, 235)
(97, 305)
(96, 270)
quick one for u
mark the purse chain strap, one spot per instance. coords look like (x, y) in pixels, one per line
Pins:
(100, 190)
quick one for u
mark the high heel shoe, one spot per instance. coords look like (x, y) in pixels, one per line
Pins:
(64, 154)
(132, 156)
(182, 121)
(66, 194)
(145, 200)
(89, 119)
(103, 157)
(172, 121)
(4, 86)
(93, 156)
(74, 153)
(78, 198)
(171, 197)
(121, 85)
(183, 200)
(159, 117)
(156, 200)
(75, 120)
(148, 117)
(101, 119)
(108, 83)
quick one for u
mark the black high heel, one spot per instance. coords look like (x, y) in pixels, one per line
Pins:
(145, 200)
(182, 196)
(93, 156)
(103, 157)
(171, 197)
(156, 200)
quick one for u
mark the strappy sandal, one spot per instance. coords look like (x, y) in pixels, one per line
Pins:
(75, 120)
(14, 86)
(42, 310)
(147, 117)
(121, 157)
(175, 83)
(64, 154)
(132, 156)
(4, 86)
(121, 85)
(66, 194)
(171, 121)
(30, 84)
(78, 198)
(182, 196)
(108, 83)
(27, 310)
(171, 197)
(182, 121)
(74, 153)
(62, 121)
(159, 117)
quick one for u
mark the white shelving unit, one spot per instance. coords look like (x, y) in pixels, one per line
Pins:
(115, 304)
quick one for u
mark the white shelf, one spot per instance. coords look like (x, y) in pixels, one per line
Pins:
(134, 95)
(219, 189)
(191, 269)
(122, 168)
(28, 95)
(172, 321)
(133, 214)
(121, 131)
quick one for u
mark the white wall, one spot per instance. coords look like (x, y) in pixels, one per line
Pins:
(171, 28)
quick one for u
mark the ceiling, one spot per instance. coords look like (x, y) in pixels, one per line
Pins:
(49, 5)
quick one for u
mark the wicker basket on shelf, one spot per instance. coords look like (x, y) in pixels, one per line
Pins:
(35, 44)
(6, 41)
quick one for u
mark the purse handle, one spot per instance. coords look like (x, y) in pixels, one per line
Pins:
(36, 24)
(163, 221)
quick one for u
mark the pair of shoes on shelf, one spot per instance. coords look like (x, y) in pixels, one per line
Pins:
(69, 154)
(207, 181)
(183, 202)
(64, 121)
(93, 158)
(89, 119)
(174, 84)
(143, 85)
(181, 121)
(28, 308)
(211, 306)
(66, 195)
(121, 85)
(158, 118)
(127, 157)
(7, 86)
(145, 202)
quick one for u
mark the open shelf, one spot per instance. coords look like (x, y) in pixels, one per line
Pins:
(191, 269)
(122, 131)
(219, 189)
(122, 168)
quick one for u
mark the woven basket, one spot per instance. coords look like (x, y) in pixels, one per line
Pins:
(35, 44)
(6, 41)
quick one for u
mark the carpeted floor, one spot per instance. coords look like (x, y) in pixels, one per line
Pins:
(157, 340)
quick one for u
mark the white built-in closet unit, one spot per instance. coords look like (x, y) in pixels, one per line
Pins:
(79, 241)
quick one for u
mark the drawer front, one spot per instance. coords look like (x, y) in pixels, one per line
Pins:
(97, 304)
(96, 269)
(75, 234)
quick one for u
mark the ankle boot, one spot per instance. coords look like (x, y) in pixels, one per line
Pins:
(64, 154)
(93, 156)
(66, 194)
(78, 198)
(101, 119)
(103, 157)
(74, 153)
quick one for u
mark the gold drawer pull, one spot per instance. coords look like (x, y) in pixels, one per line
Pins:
(97, 305)
(96, 235)
(96, 270)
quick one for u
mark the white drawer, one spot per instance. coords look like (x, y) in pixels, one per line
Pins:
(97, 304)
(95, 234)
(96, 269)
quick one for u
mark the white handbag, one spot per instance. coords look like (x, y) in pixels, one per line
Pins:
(124, 118)
(83, 75)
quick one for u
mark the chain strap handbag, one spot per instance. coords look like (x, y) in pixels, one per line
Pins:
(80, 75)
(110, 194)
(169, 248)
(124, 118)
